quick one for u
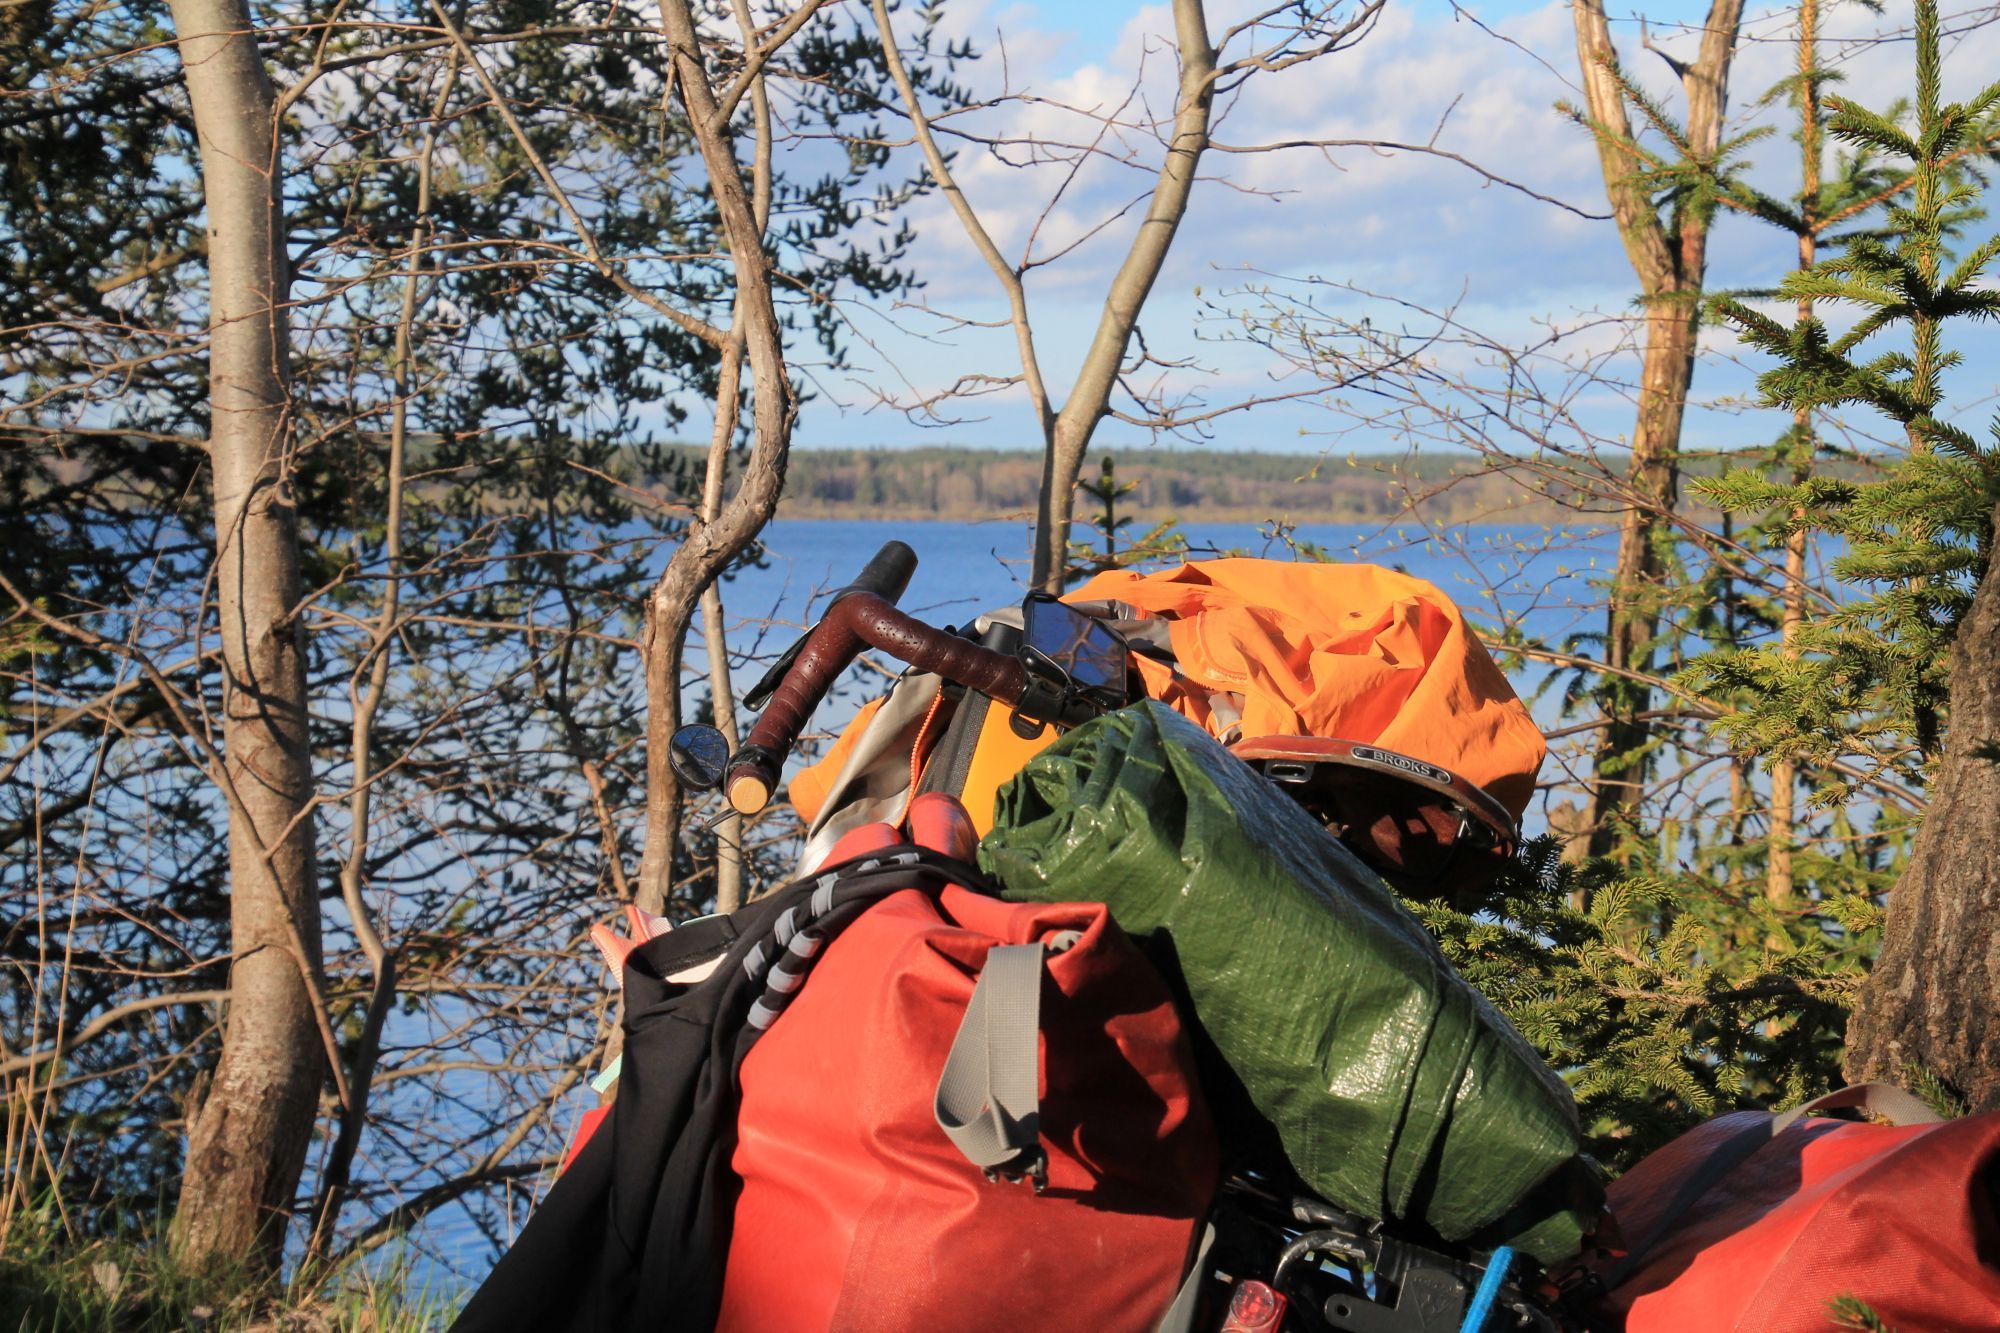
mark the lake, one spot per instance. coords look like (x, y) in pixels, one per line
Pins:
(1531, 580)
(1535, 577)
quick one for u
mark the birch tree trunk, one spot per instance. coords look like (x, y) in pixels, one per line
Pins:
(1066, 432)
(1932, 1002)
(248, 1140)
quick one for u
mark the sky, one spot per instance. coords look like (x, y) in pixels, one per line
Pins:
(1264, 230)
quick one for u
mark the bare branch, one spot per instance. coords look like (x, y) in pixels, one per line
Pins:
(612, 272)
(1390, 147)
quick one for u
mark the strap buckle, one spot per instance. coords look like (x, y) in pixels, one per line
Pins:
(1031, 1167)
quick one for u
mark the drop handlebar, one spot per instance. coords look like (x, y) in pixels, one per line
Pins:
(862, 615)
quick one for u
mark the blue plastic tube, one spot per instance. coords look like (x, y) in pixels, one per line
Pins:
(1489, 1290)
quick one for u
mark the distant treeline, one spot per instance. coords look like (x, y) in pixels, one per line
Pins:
(1213, 485)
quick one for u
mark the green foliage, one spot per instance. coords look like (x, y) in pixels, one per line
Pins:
(1442, 487)
(1686, 185)
(1661, 1003)
(1871, 671)
(1667, 982)
(1107, 490)
(536, 513)
(1849, 1312)
(1688, 972)
(1162, 542)
(1936, 1093)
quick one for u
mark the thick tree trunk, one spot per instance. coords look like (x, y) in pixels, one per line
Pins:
(1933, 1001)
(248, 1142)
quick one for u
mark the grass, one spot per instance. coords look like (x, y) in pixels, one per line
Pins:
(49, 1284)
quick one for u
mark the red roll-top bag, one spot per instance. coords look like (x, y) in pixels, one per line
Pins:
(1756, 1224)
(858, 1212)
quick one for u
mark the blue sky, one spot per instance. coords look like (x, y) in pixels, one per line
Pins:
(1092, 26)
(1411, 228)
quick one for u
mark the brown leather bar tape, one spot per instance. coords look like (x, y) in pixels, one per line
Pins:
(858, 620)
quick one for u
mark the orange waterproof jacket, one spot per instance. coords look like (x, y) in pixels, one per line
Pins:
(1356, 652)
(1279, 648)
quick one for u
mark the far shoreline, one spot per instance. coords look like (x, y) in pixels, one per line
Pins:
(1143, 520)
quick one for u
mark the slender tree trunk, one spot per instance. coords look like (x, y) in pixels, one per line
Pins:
(1778, 874)
(709, 547)
(1639, 574)
(665, 638)
(1090, 397)
(1932, 1002)
(248, 1142)
(714, 630)
(1066, 433)
(1671, 266)
(1742, 786)
(366, 704)
(1785, 774)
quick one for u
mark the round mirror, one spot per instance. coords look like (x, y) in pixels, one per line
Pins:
(698, 754)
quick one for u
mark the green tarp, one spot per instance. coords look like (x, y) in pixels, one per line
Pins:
(1398, 1091)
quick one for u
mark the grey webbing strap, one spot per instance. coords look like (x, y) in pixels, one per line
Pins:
(988, 1097)
(1878, 1099)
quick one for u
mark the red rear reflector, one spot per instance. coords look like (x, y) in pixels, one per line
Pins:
(1254, 1307)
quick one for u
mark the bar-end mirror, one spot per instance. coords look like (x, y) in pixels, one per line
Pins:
(698, 755)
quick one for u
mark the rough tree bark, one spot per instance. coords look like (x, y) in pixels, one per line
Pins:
(1671, 267)
(710, 546)
(1932, 1002)
(248, 1140)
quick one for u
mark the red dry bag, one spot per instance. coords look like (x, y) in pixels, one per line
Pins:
(973, 1115)
(1757, 1223)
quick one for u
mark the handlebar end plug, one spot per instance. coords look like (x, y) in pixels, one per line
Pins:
(749, 793)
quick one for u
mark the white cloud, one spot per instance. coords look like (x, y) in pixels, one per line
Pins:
(1420, 227)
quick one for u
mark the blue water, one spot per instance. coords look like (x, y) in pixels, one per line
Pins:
(1527, 581)
(1534, 578)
